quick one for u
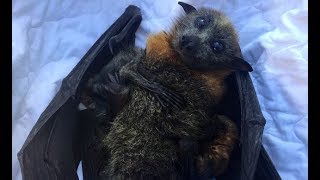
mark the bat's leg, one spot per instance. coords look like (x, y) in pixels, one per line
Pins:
(126, 36)
(188, 149)
(114, 91)
(217, 155)
(163, 94)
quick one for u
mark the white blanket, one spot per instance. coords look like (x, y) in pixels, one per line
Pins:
(50, 37)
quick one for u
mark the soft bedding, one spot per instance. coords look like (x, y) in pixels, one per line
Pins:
(50, 37)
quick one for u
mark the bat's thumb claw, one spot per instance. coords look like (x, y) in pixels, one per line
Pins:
(111, 45)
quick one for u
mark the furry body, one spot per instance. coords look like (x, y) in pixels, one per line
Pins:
(143, 139)
(143, 142)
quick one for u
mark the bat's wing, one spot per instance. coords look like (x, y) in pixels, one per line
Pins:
(250, 160)
(51, 151)
(255, 162)
(252, 124)
(94, 157)
(126, 36)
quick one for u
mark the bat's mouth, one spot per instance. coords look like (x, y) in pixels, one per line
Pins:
(189, 44)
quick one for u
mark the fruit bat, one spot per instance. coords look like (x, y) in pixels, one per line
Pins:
(53, 149)
(194, 58)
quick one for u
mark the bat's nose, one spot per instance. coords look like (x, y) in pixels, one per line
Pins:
(189, 42)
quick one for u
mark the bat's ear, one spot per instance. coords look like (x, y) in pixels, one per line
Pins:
(187, 7)
(240, 64)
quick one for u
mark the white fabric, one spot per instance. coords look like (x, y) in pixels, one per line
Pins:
(50, 37)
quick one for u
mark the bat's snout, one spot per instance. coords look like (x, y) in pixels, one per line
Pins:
(189, 43)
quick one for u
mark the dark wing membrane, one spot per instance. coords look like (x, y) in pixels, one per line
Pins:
(252, 124)
(265, 169)
(50, 151)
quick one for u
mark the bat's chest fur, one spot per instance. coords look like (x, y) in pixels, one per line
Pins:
(143, 138)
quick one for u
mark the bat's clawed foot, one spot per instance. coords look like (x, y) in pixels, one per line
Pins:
(204, 166)
(107, 90)
(214, 163)
(167, 98)
(113, 89)
(115, 79)
(114, 93)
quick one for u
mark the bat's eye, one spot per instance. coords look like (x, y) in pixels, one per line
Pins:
(202, 22)
(217, 46)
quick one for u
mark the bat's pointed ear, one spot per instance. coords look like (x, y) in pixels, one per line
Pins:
(187, 7)
(240, 64)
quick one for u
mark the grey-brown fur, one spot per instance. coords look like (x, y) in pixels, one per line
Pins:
(143, 142)
(143, 139)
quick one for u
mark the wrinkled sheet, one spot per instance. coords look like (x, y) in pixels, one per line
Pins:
(50, 37)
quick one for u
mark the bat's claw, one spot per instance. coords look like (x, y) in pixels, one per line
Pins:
(101, 90)
(126, 36)
(213, 164)
(204, 166)
(111, 89)
(113, 43)
(167, 98)
(115, 78)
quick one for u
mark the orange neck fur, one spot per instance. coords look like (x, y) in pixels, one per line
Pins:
(159, 49)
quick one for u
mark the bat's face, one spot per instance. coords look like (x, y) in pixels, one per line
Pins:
(206, 39)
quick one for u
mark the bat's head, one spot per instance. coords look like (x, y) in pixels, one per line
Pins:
(206, 39)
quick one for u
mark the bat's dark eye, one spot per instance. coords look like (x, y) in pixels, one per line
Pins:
(217, 46)
(202, 22)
